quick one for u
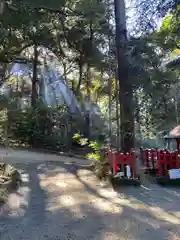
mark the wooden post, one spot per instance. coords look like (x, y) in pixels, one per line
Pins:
(178, 145)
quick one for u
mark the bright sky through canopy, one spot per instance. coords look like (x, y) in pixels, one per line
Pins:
(133, 15)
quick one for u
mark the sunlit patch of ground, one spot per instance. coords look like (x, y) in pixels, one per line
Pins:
(74, 193)
(18, 202)
(67, 202)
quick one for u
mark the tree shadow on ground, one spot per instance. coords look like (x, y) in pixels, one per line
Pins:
(153, 195)
(20, 213)
(82, 209)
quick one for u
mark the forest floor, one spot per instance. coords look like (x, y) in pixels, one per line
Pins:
(60, 198)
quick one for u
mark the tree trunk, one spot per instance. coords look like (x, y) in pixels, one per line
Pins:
(117, 117)
(137, 118)
(65, 72)
(80, 63)
(89, 84)
(110, 73)
(88, 115)
(110, 108)
(34, 78)
(125, 86)
(2, 5)
(3, 68)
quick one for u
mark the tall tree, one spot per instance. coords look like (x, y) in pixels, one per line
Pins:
(125, 86)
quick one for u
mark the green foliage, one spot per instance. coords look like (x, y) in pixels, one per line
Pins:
(168, 36)
(78, 33)
(42, 127)
(31, 127)
(97, 152)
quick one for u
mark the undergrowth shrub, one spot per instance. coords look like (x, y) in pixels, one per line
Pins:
(100, 165)
(43, 127)
(97, 151)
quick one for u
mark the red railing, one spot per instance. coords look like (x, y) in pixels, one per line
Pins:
(119, 162)
(149, 158)
(160, 160)
(166, 162)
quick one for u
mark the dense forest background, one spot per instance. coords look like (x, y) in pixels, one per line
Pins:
(124, 86)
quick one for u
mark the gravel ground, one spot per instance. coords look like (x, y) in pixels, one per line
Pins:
(61, 199)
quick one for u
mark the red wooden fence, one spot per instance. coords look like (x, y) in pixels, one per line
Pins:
(119, 161)
(160, 160)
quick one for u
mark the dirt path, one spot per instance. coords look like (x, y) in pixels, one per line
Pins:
(61, 199)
